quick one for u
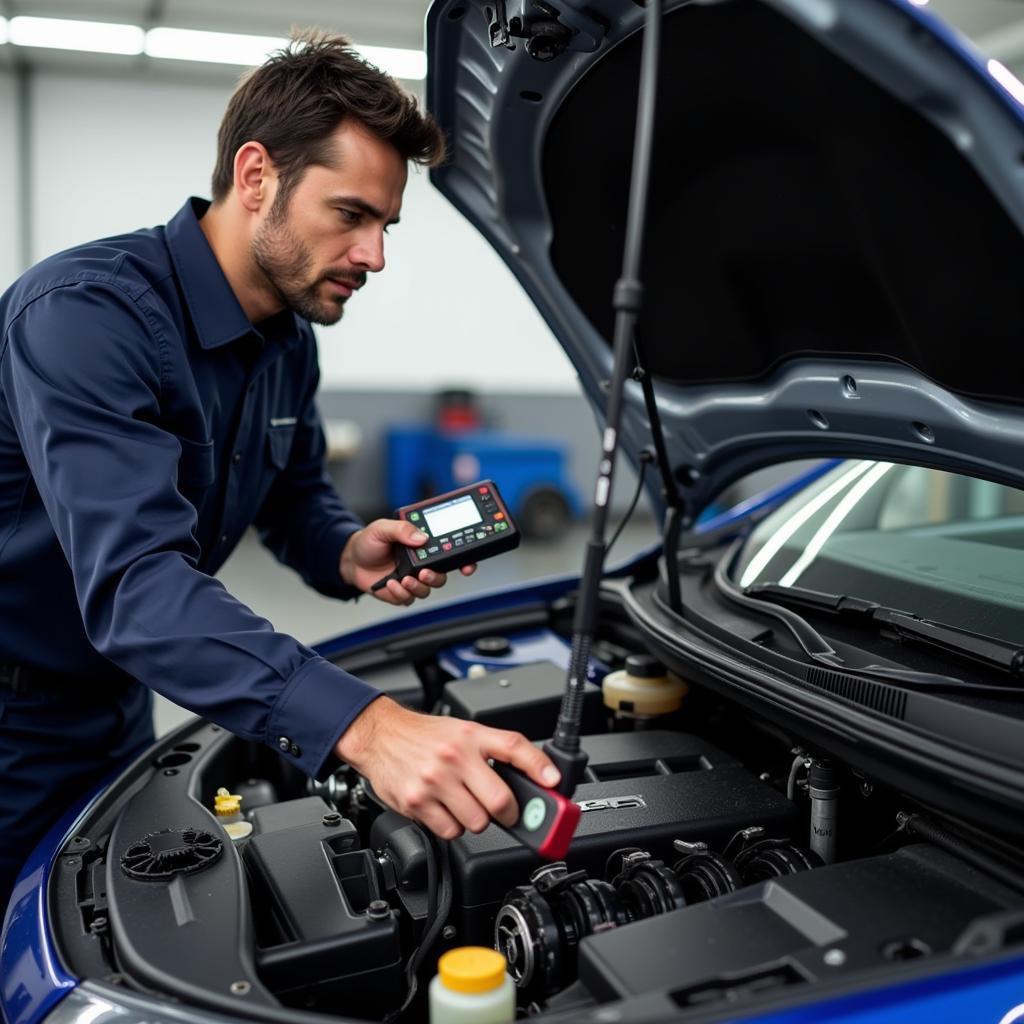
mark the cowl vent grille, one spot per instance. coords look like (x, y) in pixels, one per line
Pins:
(881, 698)
(163, 855)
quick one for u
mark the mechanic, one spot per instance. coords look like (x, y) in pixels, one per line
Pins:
(156, 399)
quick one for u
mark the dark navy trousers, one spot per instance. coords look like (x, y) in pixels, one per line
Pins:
(53, 750)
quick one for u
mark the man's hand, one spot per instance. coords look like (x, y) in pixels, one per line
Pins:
(368, 555)
(435, 769)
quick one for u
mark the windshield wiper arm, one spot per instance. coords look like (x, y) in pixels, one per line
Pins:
(990, 651)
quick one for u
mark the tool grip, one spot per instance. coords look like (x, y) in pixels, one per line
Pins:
(403, 568)
(547, 819)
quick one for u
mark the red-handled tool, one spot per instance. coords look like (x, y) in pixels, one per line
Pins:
(547, 819)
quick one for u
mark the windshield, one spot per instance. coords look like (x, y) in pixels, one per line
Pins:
(937, 545)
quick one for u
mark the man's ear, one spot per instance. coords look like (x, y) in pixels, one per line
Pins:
(255, 177)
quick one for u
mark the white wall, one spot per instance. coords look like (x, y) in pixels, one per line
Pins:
(9, 215)
(112, 154)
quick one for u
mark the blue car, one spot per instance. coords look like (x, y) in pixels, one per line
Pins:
(804, 716)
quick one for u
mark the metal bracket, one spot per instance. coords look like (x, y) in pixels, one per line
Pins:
(546, 36)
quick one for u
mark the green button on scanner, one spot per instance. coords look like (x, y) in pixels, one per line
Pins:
(414, 516)
(534, 814)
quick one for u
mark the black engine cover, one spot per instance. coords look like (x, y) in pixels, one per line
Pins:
(642, 789)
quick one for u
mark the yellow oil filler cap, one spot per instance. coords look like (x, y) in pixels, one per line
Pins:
(643, 689)
(228, 808)
(471, 969)
(225, 804)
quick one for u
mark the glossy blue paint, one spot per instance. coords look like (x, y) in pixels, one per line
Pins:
(959, 44)
(527, 648)
(489, 602)
(32, 978)
(993, 994)
(766, 499)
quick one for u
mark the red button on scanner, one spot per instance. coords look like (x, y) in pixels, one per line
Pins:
(499, 515)
(446, 547)
(483, 490)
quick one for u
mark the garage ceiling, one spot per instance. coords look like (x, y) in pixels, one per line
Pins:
(996, 25)
(373, 22)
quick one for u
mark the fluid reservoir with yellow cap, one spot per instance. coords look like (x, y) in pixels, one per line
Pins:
(228, 808)
(644, 689)
(472, 987)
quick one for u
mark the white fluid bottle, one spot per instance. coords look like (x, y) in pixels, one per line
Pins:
(472, 987)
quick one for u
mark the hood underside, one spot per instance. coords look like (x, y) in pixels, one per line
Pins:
(834, 253)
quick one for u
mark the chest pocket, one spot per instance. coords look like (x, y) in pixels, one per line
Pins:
(196, 468)
(279, 443)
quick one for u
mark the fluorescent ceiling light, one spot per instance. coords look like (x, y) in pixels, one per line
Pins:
(183, 44)
(1007, 79)
(210, 47)
(88, 36)
(247, 50)
(410, 64)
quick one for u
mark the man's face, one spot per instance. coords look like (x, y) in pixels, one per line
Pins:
(316, 248)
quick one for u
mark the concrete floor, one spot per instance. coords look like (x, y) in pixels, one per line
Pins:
(253, 576)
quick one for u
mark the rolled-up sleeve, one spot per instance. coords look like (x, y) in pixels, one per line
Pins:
(83, 369)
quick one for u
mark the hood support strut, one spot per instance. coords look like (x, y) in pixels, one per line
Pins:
(675, 508)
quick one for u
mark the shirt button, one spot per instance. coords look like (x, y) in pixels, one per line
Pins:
(295, 750)
(236, 458)
(224, 538)
(284, 743)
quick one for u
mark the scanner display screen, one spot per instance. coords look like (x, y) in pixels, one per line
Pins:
(452, 515)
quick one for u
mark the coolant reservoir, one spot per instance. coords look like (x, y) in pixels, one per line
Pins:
(643, 689)
(472, 987)
(228, 808)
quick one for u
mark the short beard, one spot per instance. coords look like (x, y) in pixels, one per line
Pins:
(285, 264)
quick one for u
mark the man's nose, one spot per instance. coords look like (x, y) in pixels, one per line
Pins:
(369, 252)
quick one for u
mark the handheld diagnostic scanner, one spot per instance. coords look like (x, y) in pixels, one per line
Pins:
(463, 527)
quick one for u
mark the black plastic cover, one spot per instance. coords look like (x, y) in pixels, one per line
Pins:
(822, 923)
(642, 789)
(319, 886)
(525, 699)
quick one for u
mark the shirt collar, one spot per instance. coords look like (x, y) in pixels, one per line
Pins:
(213, 306)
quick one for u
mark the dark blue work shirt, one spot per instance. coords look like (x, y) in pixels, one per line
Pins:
(145, 423)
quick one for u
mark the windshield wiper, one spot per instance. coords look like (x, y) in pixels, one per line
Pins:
(989, 651)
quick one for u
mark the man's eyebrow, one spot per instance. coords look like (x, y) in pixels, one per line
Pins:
(362, 205)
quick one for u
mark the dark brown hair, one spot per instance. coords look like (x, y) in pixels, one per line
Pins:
(293, 103)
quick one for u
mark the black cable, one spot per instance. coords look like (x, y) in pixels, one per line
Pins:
(918, 825)
(439, 905)
(644, 459)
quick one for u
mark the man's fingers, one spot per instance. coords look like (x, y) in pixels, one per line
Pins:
(432, 578)
(412, 537)
(493, 795)
(466, 809)
(515, 749)
(413, 586)
(439, 821)
(399, 594)
(468, 570)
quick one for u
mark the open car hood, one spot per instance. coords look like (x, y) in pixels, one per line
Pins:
(834, 262)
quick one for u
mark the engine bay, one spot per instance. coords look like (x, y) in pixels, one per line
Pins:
(719, 861)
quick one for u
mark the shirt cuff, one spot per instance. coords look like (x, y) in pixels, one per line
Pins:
(317, 705)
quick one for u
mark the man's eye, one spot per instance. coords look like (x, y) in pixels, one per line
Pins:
(349, 216)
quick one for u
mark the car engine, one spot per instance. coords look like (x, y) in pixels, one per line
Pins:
(717, 861)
